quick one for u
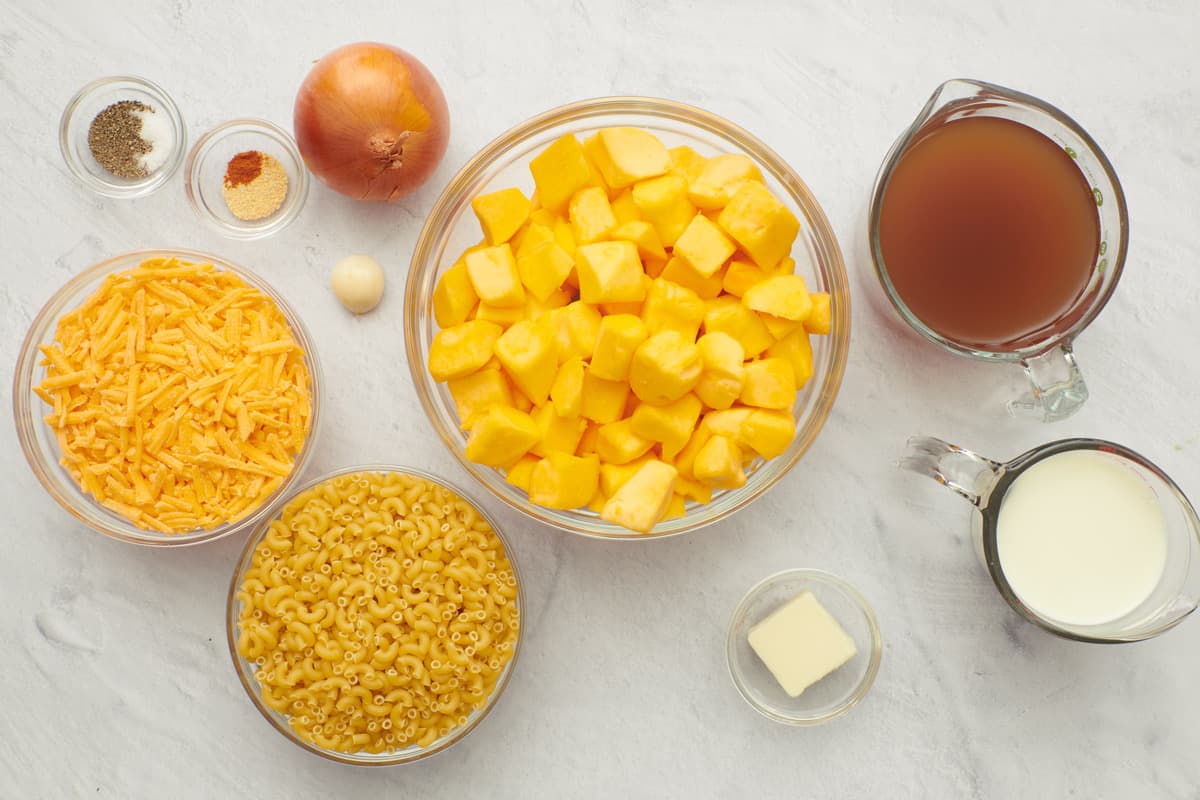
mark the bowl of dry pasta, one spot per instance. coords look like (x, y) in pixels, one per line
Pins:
(375, 619)
(167, 397)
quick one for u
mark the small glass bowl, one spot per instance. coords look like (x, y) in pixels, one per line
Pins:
(245, 669)
(452, 227)
(42, 450)
(833, 695)
(77, 119)
(204, 176)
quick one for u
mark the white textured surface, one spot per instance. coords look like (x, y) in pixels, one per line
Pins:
(115, 679)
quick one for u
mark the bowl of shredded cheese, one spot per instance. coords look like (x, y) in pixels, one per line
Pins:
(375, 619)
(167, 397)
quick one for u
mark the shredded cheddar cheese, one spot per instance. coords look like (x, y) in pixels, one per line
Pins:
(179, 397)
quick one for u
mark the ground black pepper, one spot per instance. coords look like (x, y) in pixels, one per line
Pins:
(115, 139)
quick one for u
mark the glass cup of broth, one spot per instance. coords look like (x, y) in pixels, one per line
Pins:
(998, 230)
(1083, 537)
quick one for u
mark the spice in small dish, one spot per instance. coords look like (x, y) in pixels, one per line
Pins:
(130, 139)
(256, 185)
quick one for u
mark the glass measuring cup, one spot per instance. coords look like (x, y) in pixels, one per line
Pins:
(1057, 387)
(985, 483)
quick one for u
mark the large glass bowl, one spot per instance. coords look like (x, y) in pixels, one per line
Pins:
(245, 669)
(452, 227)
(42, 450)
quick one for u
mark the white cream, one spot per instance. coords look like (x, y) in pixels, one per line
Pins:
(1081, 538)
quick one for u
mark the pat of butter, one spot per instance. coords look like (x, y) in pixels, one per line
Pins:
(801, 643)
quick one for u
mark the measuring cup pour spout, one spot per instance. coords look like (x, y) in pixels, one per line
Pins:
(969, 474)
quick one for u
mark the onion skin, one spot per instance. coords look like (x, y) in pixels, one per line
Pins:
(371, 121)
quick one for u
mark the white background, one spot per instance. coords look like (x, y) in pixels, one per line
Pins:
(114, 675)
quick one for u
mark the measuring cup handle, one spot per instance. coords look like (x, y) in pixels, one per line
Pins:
(1057, 388)
(969, 474)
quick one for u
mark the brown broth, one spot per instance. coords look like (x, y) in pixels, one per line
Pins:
(989, 231)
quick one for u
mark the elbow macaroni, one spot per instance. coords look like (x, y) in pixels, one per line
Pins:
(380, 611)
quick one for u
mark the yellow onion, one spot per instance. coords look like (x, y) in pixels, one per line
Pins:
(371, 122)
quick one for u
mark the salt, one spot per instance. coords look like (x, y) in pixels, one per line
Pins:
(157, 132)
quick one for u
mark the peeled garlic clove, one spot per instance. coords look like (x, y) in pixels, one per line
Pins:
(358, 283)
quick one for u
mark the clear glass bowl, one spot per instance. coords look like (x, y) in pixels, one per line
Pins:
(833, 695)
(452, 227)
(204, 176)
(38, 441)
(245, 669)
(77, 119)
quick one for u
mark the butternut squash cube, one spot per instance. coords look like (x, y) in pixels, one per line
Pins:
(576, 326)
(671, 307)
(727, 422)
(644, 236)
(530, 238)
(543, 268)
(501, 436)
(537, 309)
(591, 216)
(780, 328)
(566, 393)
(671, 424)
(641, 502)
(462, 349)
(493, 273)
(520, 473)
(679, 271)
(556, 434)
(783, 296)
(560, 171)
(504, 317)
(614, 476)
(686, 457)
(625, 156)
(564, 235)
(664, 368)
(676, 509)
(769, 383)
(624, 209)
(617, 443)
(764, 227)
(528, 353)
(686, 162)
(721, 381)
(609, 272)
(820, 317)
(704, 246)
(689, 488)
(475, 393)
(768, 433)
(663, 202)
(561, 480)
(587, 442)
(719, 464)
(720, 179)
(620, 335)
(603, 401)
(728, 315)
(740, 276)
(501, 214)
(454, 297)
(797, 350)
